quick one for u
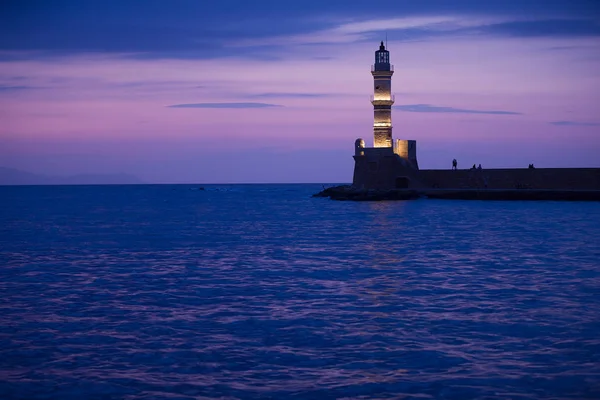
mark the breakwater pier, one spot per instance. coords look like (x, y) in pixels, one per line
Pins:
(347, 192)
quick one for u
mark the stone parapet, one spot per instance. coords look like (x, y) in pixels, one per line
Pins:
(514, 178)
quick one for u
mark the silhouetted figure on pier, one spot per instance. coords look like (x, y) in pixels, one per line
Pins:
(454, 164)
(479, 167)
(531, 166)
(473, 167)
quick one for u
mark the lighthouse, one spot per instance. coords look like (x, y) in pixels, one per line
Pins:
(382, 98)
(390, 163)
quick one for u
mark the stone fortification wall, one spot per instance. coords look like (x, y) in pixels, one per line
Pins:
(407, 149)
(381, 168)
(538, 178)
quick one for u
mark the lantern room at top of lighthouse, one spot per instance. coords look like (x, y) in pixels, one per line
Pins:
(382, 59)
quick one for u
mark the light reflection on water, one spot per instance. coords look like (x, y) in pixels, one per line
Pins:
(262, 292)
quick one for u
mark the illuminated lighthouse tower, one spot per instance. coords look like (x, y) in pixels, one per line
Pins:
(390, 163)
(382, 99)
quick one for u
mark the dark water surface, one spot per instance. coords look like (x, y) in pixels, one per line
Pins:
(260, 291)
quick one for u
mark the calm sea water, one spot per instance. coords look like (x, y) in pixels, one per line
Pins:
(259, 291)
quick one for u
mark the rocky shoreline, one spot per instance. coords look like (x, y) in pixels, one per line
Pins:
(349, 193)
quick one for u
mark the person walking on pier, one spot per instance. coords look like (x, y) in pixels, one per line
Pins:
(454, 164)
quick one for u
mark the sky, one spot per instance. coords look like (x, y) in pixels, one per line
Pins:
(237, 91)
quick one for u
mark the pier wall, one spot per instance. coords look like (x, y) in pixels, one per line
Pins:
(516, 178)
(383, 168)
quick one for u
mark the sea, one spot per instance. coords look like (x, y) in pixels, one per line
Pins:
(263, 292)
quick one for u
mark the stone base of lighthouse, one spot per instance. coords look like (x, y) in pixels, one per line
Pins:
(382, 136)
(393, 167)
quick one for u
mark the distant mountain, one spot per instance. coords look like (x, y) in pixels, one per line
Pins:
(11, 176)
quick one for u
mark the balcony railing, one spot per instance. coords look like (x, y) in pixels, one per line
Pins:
(391, 68)
(392, 98)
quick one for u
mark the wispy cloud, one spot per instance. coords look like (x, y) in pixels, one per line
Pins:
(569, 48)
(356, 31)
(8, 88)
(255, 38)
(224, 105)
(428, 108)
(291, 95)
(153, 83)
(264, 30)
(426, 27)
(574, 123)
(547, 28)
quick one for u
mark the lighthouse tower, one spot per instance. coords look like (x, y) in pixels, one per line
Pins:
(390, 163)
(382, 99)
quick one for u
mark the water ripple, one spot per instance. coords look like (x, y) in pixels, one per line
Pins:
(262, 292)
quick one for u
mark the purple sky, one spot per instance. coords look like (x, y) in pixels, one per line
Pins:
(180, 92)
